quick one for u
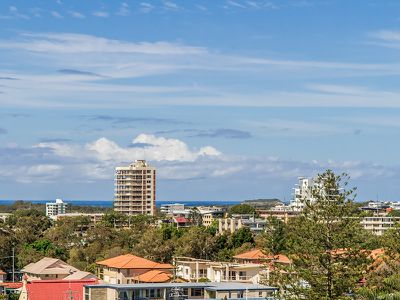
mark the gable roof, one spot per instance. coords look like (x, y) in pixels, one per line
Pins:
(80, 275)
(130, 261)
(49, 266)
(154, 276)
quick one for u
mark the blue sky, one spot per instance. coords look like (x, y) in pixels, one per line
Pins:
(230, 100)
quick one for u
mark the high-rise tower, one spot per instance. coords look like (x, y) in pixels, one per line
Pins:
(135, 189)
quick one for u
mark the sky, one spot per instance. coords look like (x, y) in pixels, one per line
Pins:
(229, 99)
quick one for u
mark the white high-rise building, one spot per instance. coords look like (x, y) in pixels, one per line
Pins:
(56, 208)
(135, 189)
(302, 191)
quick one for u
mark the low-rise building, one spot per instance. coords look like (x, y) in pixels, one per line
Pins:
(233, 224)
(93, 218)
(378, 224)
(189, 290)
(208, 217)
(170, 208)
(129, 268)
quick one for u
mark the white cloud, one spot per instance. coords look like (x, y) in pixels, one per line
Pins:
(146, 7)
(169, 5)
(76, 14)
(386, 38)
(95, 162)
(101, 14)
(80, 43)
(56, 14)
(123, 10)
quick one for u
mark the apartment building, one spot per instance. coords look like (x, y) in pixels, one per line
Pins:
(58, 207)
(302, 191)
(135, 189)
(236, 222)
(378, 224)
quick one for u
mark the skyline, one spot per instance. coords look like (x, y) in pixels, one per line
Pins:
(230, 100)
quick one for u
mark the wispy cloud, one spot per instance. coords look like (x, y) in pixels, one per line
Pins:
(124, 120)
(76, 14)
(56, 14)
(101, 14)
(386, 38)
(146, 7)
(123, 9)
(79, 72)
(3, 130)
(221, 133)
(14, 13)
(172, 6)
(81, 43)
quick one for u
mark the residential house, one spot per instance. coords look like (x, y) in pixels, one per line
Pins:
(181, 222)
(129, 268)
(256, 256)
(53, 269)
(195, 270)
(188, 290)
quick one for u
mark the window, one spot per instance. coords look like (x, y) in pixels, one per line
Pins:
(196, 292)
(242, 275)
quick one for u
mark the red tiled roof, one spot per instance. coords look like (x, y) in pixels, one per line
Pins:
(11, 285)
(57, 289)
(130, 261)
(181, 220)
(257, 255)
(154, 276)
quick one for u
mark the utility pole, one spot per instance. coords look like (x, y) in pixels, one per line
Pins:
(13, 264)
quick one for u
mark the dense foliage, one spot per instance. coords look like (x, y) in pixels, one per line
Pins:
(34, 236)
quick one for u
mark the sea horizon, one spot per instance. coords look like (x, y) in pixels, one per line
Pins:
(109, 203)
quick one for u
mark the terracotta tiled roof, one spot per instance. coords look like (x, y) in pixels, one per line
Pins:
(130, 261)
(11, 285)
(154, 276)
(257, 254)
(252, 255)
(2, 272)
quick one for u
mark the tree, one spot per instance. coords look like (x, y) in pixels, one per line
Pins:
(274, 236)
(325, 243)
(195, 217)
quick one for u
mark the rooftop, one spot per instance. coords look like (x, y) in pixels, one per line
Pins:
(130, 261)
(49, 266)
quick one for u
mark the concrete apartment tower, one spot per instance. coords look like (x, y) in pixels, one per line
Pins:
(135, 189)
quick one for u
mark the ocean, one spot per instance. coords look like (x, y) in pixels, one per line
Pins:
(108, 203)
